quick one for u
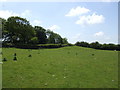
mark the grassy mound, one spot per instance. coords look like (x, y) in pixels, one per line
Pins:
(67, 67)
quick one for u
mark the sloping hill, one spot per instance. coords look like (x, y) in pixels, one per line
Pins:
(67, 67)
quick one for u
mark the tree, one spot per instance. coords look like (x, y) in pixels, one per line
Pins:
(41, 34)
(50, 36)
(19, 30)
(82, 43)
(53, 38)
(58, 39)
(95, 45)
(64, 41)
(3, 31)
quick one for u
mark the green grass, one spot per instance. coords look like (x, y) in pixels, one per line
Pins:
(67, 67)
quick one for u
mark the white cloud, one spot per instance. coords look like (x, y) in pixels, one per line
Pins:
(36, 22)
(77, 36)
(26, 13)
(54, 27)
(61, 0)
(103, 38)
(99, 34)
(3, 0)
(107, 38)
(6, 13)
(108, 0)
(90, 19)
(77, 11)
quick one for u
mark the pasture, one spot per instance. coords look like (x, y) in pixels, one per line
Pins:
(67, 67)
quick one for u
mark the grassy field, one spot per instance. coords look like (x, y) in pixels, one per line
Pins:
(67, 67)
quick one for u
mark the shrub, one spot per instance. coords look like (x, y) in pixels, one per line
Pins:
(97, 45)
(7, 45)
(50, 45)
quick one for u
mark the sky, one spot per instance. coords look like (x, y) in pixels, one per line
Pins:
(76, 21)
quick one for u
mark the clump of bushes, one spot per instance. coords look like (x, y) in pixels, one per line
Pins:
(37, 46)
(7, 45)
(97, 45)
(27, 46)
(52, 45)
(49, 45)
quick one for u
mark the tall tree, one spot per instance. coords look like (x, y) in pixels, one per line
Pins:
(82, 43)
(64, 41)
(19, 29)
(41, 34)
(95, 45)
(54, 38)
(50, 36)
(3, 31)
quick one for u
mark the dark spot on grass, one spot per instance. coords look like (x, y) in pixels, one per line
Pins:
(15, 58)
(30, 55)
(68, 52)
(93, 54)
(4, 59)
(76, 53)
(15, 54)
(11, 77)
(51, 64)
(49, 72)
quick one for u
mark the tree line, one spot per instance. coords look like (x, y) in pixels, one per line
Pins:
(97, 45)
(19, 31)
